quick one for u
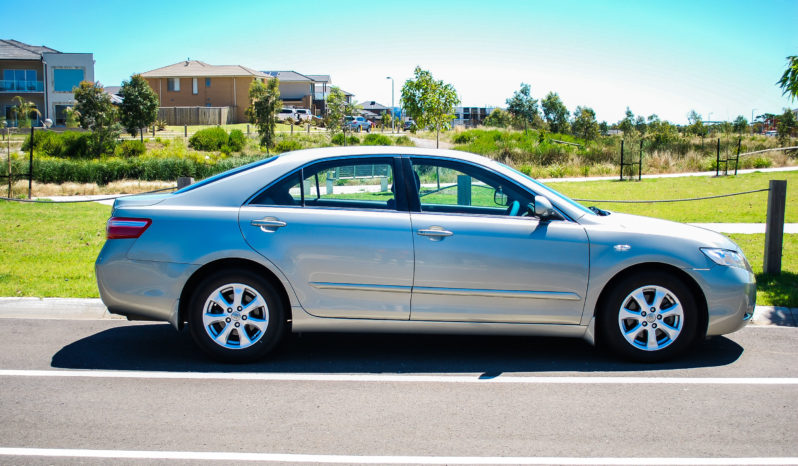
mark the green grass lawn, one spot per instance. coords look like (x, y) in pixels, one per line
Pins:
(48, 250)
(748, 208)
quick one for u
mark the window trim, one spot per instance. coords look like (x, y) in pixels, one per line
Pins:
(175, 86)
(395, 161)
(415, 201)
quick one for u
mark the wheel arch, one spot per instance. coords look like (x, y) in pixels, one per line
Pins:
(230, 264)
(698, 293)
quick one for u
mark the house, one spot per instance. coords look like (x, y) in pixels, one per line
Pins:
(196, 84)
(41, 75)
(305, 90)
(375, 108)
(470, 116)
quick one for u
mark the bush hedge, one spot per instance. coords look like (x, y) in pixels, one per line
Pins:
(216, 138)
(105, 170)
(375, 139)
(69, 144)
(131, 148)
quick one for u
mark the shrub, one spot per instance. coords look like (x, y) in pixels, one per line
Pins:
(463, 138)
(353, 140)
(237, 140)
(404, 141)
(209, 139)
(338, 139)
(132, 148)
(287, 145)
(69, 144)
(377, 140)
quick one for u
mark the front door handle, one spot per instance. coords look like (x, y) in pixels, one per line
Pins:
(435, 233)
(268, 224)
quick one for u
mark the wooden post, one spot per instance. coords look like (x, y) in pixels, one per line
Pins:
(717, 158)
(463, 190)
(774, 228)
(184, 181)
(30, 165)
(185, 131)
(737, 160)
(621, 160)
(640, 163)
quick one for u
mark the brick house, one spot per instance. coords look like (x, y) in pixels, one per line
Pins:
(192, 83)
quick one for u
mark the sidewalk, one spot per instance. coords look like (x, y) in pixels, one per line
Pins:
(94, 309)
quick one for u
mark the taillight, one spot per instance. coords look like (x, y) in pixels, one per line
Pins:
(121, 227)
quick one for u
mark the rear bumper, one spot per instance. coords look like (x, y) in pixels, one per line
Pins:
(136, 289)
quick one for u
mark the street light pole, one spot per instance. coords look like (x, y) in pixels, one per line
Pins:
(393, 119)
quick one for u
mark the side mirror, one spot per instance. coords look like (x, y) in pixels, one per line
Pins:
(500, 198)
(544, 209)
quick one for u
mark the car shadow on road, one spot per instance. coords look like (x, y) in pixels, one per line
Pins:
(158, 347)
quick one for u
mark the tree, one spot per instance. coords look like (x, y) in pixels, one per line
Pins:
(99, 115)
(627, 125)
(696, 124)
(264, 104)
(23, 111)
(789, 80)
(786, 124)
(430, 103)
(523, 106)
(385, 119)
(338, 108)
(498, 118)
(139, 108)
(640, 124)
(740, 124)
(556, 113)
(604, 128)
(585, 124)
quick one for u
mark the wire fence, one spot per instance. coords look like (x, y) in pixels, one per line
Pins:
(673, 200)
(40, 201)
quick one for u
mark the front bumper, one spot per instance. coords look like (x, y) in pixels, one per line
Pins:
(731, 298)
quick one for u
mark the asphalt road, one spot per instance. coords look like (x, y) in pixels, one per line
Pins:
(94, 391)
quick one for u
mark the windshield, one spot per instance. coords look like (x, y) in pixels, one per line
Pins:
(223, 175)
(551, 191)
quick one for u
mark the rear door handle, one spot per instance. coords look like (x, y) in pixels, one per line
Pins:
(268, 224)
(435, 233)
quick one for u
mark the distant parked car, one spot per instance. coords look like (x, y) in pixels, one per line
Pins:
(358, 124)
(303, 114)
(286, 113)
(410, 125)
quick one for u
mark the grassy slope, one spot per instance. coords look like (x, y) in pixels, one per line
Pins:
(749, 208)
(49, 250)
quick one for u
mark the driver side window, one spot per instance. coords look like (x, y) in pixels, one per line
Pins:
(451, 187)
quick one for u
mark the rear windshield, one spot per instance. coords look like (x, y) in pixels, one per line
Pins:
(224, 175)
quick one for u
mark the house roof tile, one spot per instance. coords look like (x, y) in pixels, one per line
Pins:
(196, 68)
(15, 50)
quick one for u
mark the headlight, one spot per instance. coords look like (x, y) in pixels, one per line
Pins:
(726, 257)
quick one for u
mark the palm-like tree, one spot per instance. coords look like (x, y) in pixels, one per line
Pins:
(23, 110)
(789, 80)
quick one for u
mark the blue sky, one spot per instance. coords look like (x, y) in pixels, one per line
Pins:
(667, 58)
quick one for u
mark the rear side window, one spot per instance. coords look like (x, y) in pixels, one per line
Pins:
(344, 184)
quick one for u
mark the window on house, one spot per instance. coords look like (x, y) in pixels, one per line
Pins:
(60, 114)
(20, 80)
(173, 84)
(64, 80)
(194, 86)
(207, 82)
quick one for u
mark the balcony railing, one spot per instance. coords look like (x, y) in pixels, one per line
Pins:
(13, 85)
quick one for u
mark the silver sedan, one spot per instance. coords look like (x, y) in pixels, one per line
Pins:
(385, 239)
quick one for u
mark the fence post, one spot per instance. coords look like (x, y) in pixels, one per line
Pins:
(30, 163)
(463, 190)
(248, 133)
(737, 160)
(621, 160)
(640, 163)
(717, 159)
(185, 131)
(774, 228)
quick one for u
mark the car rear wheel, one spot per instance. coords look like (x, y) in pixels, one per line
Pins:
(236, 316)
(649, 317)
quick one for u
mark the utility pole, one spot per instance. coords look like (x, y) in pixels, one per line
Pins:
(393, 119)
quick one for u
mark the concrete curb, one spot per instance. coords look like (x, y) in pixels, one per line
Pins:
(94, 309)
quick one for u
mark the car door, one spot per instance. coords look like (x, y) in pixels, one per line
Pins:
(337, 232)
(482, 256)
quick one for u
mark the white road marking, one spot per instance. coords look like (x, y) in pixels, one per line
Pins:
(463, 379)
(355, 459)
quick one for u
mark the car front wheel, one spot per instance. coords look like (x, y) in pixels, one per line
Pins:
(236, 316)
(649, 317)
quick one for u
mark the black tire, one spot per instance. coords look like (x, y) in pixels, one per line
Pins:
(263, 325)
(631, 337)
